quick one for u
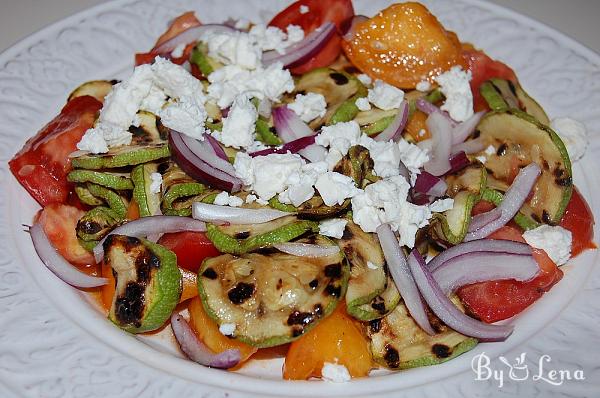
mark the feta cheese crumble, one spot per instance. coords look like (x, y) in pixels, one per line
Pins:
(300, 184)
(334, 188)
(234, 47)
(156, 183)
(363, 104)
(335, 373)
(385, 96)
(304, 9)
(239, 125)
(441, 205)
(423, 86)
(554, 240)
(224, 199)
(371, 265)
(185, 116)
(227, 329)
(454, 84)
(573, 135)
(364, 79)
(309, 106)
(333, 227)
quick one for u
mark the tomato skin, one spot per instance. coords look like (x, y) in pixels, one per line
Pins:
(579, 219)
(483, 68)
(59, 222)
(191, 248)
(336, 11)
(42, 165)
(497, 300)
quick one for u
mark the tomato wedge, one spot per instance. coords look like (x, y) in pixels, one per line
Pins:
(496, 300)
(483, 68)
(578, 219)
(191, 248)
(319, 12)
(42, 165)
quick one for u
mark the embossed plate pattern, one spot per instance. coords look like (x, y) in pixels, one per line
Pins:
(54, 344)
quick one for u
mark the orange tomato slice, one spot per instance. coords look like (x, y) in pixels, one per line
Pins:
(336, 339)
(403, 45)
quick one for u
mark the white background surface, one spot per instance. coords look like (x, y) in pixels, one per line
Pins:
(576, 18)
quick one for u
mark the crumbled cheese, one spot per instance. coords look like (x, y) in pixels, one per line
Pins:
(364, 79)
(242, 24)
(185, 116)
(386, 157)
(441, 205)
(309, 106)
(178, 51)
(573, 135)
(385, 201)
(156, 183)
(363, 104)
(454, 84)
(227, 329)
(295, 34)
(239, 125)
(490, 150)
(251, 198)
(273, 38)
(154, 101)
(412, 156)
(224, 199)
(423, 86)
(385, 96)
(340, 136)
(300, 184)
(267, 175)
(304, 9)
(481, 158)
(554, 240)
(93, 140)
(371, 265)
(333, 227)
(334, 188)
(335, 373)
(231, 80)
(237, 48)
(177, 82)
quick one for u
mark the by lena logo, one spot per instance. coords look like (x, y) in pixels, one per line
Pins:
(521, 371)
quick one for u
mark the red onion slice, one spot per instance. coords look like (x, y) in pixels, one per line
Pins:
(302, 51)
(469, 147)
(216, 147)
(394, 130)
(200, 168)
(289, 126)
(484, 266)
(402, 277)
(441, 305)
(146, 226)
(235, 215)
(427, 107)
(458, 161)
(481, 245)
(514, 198)
(463, 130)
(482, 219)
(306, 249)
(191, 35)
(441, 135)
(349, 34)
(57, 264)
(292, 146)
(429, 184)
(194, 349)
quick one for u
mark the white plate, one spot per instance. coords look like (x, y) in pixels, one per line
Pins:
(54, 344)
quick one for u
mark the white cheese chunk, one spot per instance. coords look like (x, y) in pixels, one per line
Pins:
(304, 9)
(335, 373)
(340, 136)
(333, 227)
(364, 79)
(334, 188)
(554, 240)
(309, 106)
(185, 116)
(385, 96)
(240, 124)
(224, 199)
(573, 135)
(227, 329)
(156, 183)
(423, 86)
(363, 104)
(441, 205)
(454, 84)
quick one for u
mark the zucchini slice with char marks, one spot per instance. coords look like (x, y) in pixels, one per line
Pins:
(519, 140)
(397, 342)
(312, 209)
(148, 283)
(148, 201)
(244, 238)
(380, 305)
(129, 155)
(97, 223)
(95, 88)
(180, 191)
(147, 132)
(472, 178)
(272, 298)
(451, 226)
(503, 94)
(116, 202)
(117, 181)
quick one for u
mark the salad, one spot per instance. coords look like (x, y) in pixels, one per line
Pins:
(348, 192)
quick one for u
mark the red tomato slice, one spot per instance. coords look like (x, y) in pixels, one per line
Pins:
(191, 248)
(183, 22)
(483, 68)
(59, 223)
(496, 300)
(148, 58)
(319, 12)
(578, 219)
(42, 165)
